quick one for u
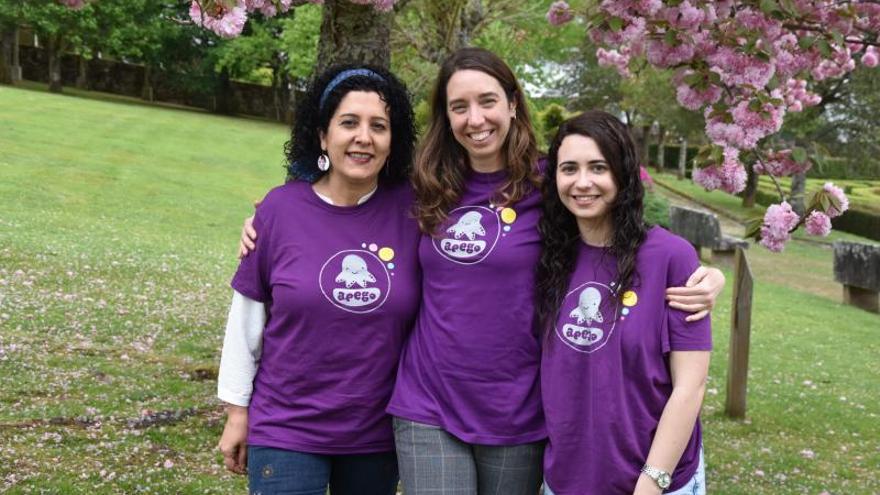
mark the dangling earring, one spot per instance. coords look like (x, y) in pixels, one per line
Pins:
(323, 162)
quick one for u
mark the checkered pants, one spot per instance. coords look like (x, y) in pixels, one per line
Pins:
(433, 462)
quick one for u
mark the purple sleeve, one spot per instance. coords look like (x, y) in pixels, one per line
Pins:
(685, 335)
(252, 277)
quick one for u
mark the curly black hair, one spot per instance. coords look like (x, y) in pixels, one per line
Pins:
(558, 226)
(312, 118)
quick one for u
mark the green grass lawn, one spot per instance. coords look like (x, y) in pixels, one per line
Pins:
(118, 231)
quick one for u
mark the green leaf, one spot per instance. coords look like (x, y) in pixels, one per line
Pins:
(753, 227)
(773, 83)
(824, 47)
(805, 42)
(799, 155)
(615, 23)
(693, 79)
(769, 6)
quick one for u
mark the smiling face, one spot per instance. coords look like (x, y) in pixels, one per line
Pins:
(585, 182)
(358, 137)
(479, 114)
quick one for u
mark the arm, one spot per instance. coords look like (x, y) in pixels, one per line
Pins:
(247, 243)
(689, 370)
(242, 347)
(699, 294)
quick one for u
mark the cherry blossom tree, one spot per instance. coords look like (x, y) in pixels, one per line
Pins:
(744, 65)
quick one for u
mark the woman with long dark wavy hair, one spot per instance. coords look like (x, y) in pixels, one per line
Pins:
(622, 374)
(321, 310)
(467, 403)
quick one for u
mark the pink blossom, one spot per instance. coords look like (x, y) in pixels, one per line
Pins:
(613, 58)
(781, 164)
(230, 22)
(695, 99)
(663, 55)
(74, 4)
(818, 223)
(729, 176)
(747, 126)
(383, 5)
(559, 13)
(779, 221)
(871, 57)
(838, 194)
(684, 16)
(645, 177)
(740, 69)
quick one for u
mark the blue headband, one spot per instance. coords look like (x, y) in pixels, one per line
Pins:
(343, 76)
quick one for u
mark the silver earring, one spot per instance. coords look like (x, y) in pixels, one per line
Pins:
(323, 162)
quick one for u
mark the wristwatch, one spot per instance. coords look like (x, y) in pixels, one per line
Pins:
(661, 477)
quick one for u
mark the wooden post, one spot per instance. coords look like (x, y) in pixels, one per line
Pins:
(740, 330)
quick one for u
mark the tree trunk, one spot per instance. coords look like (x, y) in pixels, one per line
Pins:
(16, 58)
(751, 189)
(6, 57)
(646, 145)
(798, 187)
(225, 95)
(55, 50)
(82, 73)
(682, 159)
(661, 152)
(147, 86)
(352, 33)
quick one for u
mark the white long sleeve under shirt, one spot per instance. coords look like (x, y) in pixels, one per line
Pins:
(243, 343)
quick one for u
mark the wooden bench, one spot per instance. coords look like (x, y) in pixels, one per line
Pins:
(857, 267)
(703, 231)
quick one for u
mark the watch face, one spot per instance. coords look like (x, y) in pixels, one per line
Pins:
(664, 480)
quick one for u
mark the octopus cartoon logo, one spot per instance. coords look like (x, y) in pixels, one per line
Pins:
(591, 319)
(470, 234)
(355, 280)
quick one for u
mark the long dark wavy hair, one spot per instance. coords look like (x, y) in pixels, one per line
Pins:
(304, 147)
(558, 226)
(442, 163)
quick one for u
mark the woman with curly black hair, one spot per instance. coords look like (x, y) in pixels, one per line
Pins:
(622, 373)
(321, 310)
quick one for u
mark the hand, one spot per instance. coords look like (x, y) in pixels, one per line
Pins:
(248, 235)
(646, 486)
(233, 442)
(699, 293)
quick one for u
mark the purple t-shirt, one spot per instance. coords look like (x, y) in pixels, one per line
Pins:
(341, 288)
(605, 370)
(471, 364)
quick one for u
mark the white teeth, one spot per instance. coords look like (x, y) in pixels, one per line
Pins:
(480, 136)
(360, 156)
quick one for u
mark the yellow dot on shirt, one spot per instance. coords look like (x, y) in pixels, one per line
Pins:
(508, 215)
(386, 254)
(630, 298)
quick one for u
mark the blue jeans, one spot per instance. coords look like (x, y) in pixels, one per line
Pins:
(274, 471)
(433, 462)
(696, 486)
